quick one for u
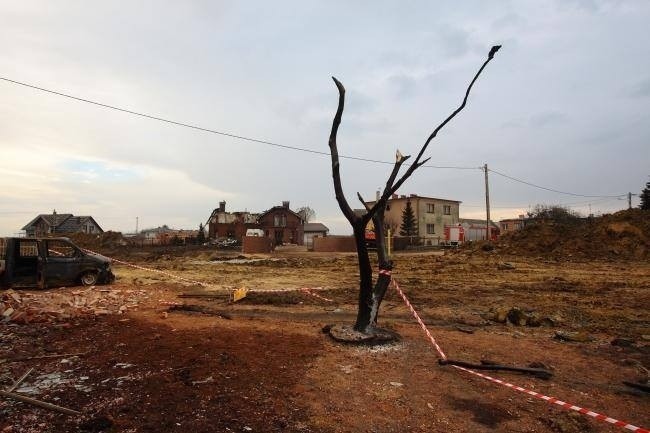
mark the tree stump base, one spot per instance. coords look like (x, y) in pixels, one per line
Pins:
(347, 334)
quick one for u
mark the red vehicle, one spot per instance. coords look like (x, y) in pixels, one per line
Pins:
(371, 241)
(454, 235)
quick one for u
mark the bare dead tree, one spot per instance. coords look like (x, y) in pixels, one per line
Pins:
(371, 295)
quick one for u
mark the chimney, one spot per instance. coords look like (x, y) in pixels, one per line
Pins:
(402, 196)
(521, 217)
(222, 206)
(285, 204)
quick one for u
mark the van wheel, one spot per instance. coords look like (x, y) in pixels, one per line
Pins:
(89, 278)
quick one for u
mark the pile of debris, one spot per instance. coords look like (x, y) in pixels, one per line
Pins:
(518, 317)
(621, 235)
(64, 304)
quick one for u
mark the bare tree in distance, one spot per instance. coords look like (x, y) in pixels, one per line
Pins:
(306, 213)
(371, 296)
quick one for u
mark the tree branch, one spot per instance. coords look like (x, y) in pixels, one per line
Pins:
(336, 174)
(399, 161)
(416, 164)
(363, 201)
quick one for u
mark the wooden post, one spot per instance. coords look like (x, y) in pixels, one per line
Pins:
(487, 204)
(390, 243)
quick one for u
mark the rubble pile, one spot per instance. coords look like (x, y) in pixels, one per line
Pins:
(621, 235)
(64, 304)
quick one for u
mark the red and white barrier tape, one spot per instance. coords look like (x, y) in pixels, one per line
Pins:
(308, 291)
(200, 283)
(178, 277)
(417, 317)
(546, 398)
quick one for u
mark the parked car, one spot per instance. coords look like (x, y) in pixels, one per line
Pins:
(49, 262)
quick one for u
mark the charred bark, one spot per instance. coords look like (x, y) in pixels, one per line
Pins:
(370, 297)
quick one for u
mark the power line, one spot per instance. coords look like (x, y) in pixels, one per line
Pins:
(214, 131)
(575, 203)
(551, 189)
(285, 146)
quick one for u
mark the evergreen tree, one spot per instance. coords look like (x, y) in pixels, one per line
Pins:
(409, 224)
(200, 238)
(645, 197)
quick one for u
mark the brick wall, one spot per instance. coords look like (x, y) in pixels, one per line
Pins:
(256, 245)
(331, 244)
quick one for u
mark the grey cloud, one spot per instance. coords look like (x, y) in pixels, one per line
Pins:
(513, 123)
(402, 86)
(508, 20)
(453, 40)
(586, 5)
(548, 118)
(641, 90)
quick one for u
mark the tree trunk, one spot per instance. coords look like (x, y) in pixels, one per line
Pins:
(370, 297)
(364, 314)
(385, 265)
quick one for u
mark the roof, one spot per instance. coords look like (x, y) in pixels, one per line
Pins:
(49, 219)
(315, 227)
(474, 221)
(74, 223)
(513, 219)
(282, 208)
(360, 212)
(65, 222)
(416, 197)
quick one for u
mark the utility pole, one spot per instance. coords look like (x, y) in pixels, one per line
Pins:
(136, 225)
(629, 200)
(487, 204)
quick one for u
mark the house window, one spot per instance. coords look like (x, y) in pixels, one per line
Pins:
(430, 207)
(431, 229)
(280, 220)
(446, 209)
(505, 226)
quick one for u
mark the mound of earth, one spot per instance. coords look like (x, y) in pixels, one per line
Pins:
(624, 235)
(106, 240)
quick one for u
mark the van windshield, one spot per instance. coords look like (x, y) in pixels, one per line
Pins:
(62, 249)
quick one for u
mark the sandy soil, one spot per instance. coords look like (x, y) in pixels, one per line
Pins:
(263, 364)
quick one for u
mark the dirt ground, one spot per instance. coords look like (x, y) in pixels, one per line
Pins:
(263, 364)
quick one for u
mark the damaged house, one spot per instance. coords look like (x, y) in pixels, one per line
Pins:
(222, 224)
(55, 223)
(282, 225)
(279, 223)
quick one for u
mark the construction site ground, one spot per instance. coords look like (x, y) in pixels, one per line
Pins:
(139, 358)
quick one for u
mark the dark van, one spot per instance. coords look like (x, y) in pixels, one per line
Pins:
(50, 262)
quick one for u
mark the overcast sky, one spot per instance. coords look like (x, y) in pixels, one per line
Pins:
(565, 104)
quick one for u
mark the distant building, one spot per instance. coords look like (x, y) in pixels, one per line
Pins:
(222, 224)
(512, 224)
(432, 215)
(475, 229)
(314, 230)
(55, 223)
(282, 225)
(164, 235)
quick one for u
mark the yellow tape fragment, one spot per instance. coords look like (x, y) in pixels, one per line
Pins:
(239, 294)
